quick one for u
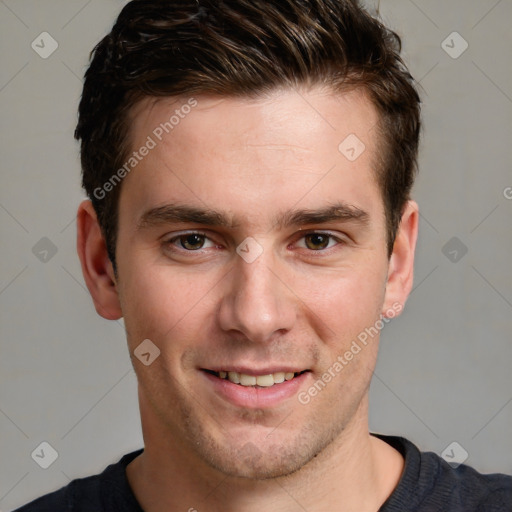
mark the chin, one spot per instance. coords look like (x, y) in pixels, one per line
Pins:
(251, 463)
(260, 460)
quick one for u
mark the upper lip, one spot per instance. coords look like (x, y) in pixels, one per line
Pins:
(255, 372)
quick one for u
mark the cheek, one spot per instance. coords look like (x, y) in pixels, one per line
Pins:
(164, 305)
(343, 302)
(346, 310)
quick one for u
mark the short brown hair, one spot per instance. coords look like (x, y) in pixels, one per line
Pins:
(244, 48)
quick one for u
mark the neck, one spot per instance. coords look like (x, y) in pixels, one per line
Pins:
(355, 472)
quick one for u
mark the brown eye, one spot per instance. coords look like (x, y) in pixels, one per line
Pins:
(317, 241)
(192, 242)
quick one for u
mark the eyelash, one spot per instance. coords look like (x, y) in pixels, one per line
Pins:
(171, 242)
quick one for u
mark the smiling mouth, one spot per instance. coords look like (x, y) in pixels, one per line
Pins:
(263, 381)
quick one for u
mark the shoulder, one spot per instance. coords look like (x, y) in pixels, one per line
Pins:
(80, 495)
(97, 493)
(429, 484)
(466, 488)
(54, 501)
(67, 498)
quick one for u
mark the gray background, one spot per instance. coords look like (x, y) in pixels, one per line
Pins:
(444, 371)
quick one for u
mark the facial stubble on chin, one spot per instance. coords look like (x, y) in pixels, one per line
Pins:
(248, 461)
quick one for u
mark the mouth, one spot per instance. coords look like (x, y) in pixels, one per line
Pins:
(251, 389)
(266, 380)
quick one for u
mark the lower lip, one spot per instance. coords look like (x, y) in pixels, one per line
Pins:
(252, 397)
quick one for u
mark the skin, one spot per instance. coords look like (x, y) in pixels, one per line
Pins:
(295, 305)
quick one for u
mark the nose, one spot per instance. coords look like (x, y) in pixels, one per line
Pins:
(257, 301)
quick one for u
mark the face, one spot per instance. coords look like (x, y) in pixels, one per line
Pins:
(251, 249)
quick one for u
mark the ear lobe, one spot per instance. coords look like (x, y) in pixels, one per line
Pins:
(401, 262)
(97, 268)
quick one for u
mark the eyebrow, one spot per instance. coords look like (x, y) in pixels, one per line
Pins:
(339, 212)
(176, 213)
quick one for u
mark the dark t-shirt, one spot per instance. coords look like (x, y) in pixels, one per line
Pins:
(428, 484)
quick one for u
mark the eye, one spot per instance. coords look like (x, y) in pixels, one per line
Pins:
(191, 241)
(319, 241)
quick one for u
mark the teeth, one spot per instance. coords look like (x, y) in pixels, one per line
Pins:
(247, 380)
(264, 381)
(234, 377)
(278, 377)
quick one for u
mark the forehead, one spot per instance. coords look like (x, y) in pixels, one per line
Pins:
(313, 111)
(249, 151)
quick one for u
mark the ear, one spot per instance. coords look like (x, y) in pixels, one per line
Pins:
(97, 268)
(401, 262)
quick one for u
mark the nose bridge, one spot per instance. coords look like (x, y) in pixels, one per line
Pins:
(256, 302)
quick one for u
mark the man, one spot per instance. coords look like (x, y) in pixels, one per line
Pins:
(249, 167)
